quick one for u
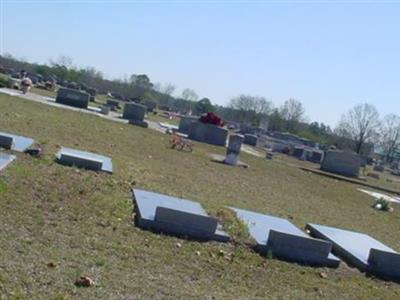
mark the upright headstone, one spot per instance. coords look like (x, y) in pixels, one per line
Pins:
(341, 162)
(113, 104)
(134, 112)
(208, 133)
(185, 123)
(316, 156)
(73, 97)
(233, 151)
(250, 139)
(298, 152)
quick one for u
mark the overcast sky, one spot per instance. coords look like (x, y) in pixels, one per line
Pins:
(330, 56)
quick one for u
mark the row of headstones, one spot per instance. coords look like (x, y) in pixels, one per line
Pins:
(274, 236)
(134, 112)
(65, 156)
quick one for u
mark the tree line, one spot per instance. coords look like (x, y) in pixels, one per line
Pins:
(357, 130)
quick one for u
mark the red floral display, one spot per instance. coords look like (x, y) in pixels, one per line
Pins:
(211, 118)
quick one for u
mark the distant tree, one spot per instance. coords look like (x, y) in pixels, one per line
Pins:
(203, 106)
(189, 95)
(292, 111)
(390, 136)
(359, 125)
(256, 104)
(63, 61)
(276, 122)
(141, 80)
(165, 93)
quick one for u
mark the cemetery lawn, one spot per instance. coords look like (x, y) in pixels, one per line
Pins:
(59, 223)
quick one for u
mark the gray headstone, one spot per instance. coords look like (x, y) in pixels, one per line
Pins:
(208, 133)
(19, 143)
(233, 151)
(73, 97)
(298, 248)
(175, 216)
(105, 110)
(113, 104)
(134, 111)
(285, 240)
(6, 141)
(316, 156)
(360, 250)
(341, 162)
(384, 264)
(250, 139)
(185, 123)
(298, 152)
(83, 159)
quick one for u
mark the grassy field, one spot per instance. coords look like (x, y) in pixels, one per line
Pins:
(58, 223)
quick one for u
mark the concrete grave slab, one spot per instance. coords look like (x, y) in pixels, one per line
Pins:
(83, 159)
(5, 160)
(168, 126)
(285, 240)
(15, 142)
(360, 250)
(175, 216)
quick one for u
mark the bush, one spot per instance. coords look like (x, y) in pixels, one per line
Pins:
(3, 80)
(382, 204)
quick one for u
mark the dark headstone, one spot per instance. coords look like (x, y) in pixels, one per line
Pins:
(250, 139)
(134, 111)
(113, 104)
(316, 156)
(73, 97)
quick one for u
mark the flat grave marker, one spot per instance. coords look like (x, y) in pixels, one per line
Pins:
(360, 250)
(83, 159)
(175, 216)
(15, 142)
(285, 240)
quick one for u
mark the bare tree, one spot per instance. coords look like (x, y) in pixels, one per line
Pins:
(292, 111)
(189, 95)
(360, 125)
(256, 104)
(167, 89)
(390, 136)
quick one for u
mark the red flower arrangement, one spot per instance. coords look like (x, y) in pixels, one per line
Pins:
(211, 118)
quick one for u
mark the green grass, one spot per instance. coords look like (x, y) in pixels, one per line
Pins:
(58, 223)
(42, 92)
